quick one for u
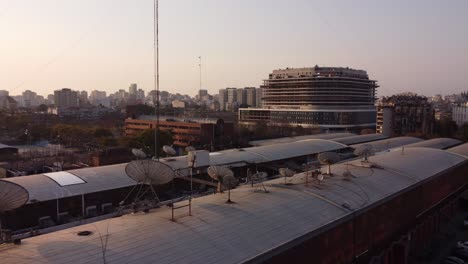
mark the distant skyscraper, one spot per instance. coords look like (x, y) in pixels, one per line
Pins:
(4, 93)
(223, 97)
(66, 98)
(132, 90)
(140, 94)
(202, 93)
(241, 96)
(259, 97)
(251, 96)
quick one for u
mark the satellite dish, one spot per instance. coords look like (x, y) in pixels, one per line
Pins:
(189, 149)
(328, 158)
(286, 173)
(219, 173)
(320, 177)
(149, 172)
(12, 196)
(364, 151)
(169, 150)
(259, 177)
(138, 153)
(229, 181)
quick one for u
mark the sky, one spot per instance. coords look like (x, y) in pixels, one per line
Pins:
(419, 45)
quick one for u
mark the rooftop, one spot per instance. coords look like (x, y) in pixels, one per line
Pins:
(250, 230)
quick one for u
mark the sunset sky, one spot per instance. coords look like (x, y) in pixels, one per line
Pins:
(418, 45)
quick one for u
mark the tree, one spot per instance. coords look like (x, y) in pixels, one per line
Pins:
(145, 141)
(42, 108)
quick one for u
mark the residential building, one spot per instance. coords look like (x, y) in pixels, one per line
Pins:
(241, 97)
(460, 113)
(251, 96)
(331, 98)
(223, 98)
(99, 98)
(4, 93)
(404, 114)
(66, 98)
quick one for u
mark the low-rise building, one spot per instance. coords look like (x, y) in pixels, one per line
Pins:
(185, 131)
(460, 113)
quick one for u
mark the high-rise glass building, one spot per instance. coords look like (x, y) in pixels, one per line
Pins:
(331, 98)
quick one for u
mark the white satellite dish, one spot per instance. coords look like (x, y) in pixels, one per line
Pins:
(149, 172)
(320, 177)
(189, 149)
(169, 150)
(219, 173)
(286, 173)
(140, 154)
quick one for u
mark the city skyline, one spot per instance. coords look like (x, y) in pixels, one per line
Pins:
(87, 45)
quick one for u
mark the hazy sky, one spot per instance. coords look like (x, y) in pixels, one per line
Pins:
(407, 45)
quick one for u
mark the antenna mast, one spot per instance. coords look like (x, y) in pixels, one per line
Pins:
(156, 74)
(199, 57)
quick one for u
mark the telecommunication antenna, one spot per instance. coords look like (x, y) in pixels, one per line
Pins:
(286, 173)
(156, 74)
(200, 65)
(219, 173)
(148, 173)
(170, 151)
(138, 153)
(259, 177)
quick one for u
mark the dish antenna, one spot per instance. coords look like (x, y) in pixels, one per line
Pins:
(138, 153)
(364, 151)
(259, 177)
(286, 173)
(151, 173)
(229, 181)
(218, 173)
(328, 158)
(170, 151)
(189, 149)
(12, 196)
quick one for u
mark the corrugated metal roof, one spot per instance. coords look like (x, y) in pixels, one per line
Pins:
(257, 224)
(462, 149)
(43, 188)
(387, 144)
(360, 139)
(298, 138)
(260, 154)
(438, 143)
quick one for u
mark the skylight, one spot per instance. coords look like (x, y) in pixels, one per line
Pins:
(64, 178)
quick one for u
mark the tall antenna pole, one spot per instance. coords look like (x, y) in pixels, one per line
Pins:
(156, 74)
(199, 57)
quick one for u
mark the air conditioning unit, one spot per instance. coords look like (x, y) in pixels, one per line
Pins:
(63, 218)
(45, 222)
(107, 208)
(91, 211)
